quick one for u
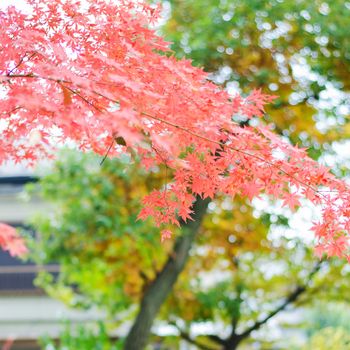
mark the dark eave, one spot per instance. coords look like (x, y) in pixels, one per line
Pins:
(17, 180)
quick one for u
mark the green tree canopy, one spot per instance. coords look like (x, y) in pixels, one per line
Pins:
(297, 50)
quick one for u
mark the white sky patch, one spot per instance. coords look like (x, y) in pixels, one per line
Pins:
(300, 222)
(20, 4)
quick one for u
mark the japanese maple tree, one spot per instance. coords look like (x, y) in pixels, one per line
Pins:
(96, 73)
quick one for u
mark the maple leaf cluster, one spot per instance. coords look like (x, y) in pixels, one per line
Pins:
(94, 72)
(11, 241)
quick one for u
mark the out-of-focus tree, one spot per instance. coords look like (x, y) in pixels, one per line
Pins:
(80, 337)
(328, 315)
(238, 277)
(329, 339)
(245, 279)
(328, 326)
(297, 50)
(94, 234)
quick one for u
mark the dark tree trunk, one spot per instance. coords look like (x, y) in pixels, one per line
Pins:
(159, 289)
(232, 344)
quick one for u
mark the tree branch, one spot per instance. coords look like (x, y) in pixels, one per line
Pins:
(167, 122)
(20, 62)
(291, 298)
(184, 335)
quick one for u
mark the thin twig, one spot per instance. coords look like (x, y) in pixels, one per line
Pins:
(108, 150)
(20, 62)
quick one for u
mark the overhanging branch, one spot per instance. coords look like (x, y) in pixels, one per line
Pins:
(185, 336)
(291, 298)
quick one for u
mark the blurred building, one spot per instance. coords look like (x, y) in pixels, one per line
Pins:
(26, 313)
